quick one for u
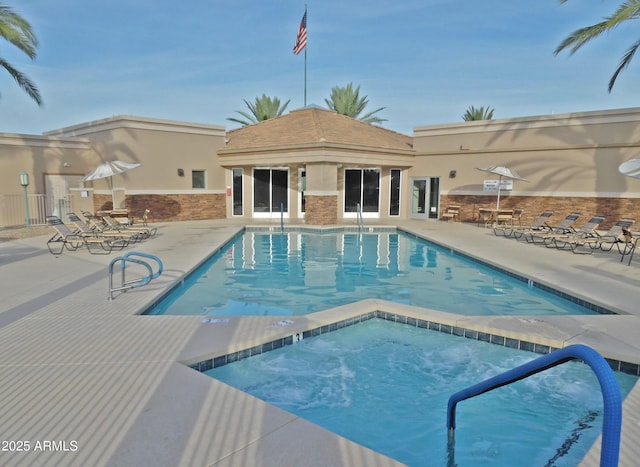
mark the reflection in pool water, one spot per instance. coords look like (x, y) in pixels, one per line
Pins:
(297, 273)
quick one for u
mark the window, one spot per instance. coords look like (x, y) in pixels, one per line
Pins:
(198, 179)
(362, 187)
(236, 192)
(394, 193)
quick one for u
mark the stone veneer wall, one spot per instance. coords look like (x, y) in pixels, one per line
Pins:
(321, 210)
(613, 208)
(171, 207)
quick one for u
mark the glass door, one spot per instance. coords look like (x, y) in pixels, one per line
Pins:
(425, 192)
(270, 193)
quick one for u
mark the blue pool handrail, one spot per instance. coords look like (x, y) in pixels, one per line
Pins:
(133, 257)
(612, 415)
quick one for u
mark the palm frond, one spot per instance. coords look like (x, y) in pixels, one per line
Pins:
(628, 10)
(25, 83)
(17, 31)
(347, 101)
(262, 108)
(624, 63)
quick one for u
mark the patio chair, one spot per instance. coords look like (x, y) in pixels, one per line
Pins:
(565, 227)
(627, 245)
(615, 235)
(451, 214)
(539, 224)
(145, 218)
(579, 238)
(84, 228)
(114, 225)
(503, 217)
(67, 238)
(606, 241)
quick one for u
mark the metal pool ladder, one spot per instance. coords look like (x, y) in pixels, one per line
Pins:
(138, 281)
(612, 416)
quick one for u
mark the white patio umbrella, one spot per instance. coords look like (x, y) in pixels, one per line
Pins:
(502, 172)
(108, 170)
(631, 168)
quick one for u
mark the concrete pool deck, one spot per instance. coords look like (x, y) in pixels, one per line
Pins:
(88, 381)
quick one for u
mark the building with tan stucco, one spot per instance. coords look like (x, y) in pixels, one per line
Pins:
(315, 166)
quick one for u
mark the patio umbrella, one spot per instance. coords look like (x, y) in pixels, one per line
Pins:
(631, 168)
(502, 172)
(108, 170)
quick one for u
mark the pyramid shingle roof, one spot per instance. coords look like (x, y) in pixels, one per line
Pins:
(313, 125)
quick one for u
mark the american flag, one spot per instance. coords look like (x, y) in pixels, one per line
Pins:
(301, 40)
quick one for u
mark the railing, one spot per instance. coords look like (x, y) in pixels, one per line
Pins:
(281, 217)
(612, 418)
(13, 209)
(359, 214)
(137, 282)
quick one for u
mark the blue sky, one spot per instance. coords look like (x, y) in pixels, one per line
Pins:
(425, 61)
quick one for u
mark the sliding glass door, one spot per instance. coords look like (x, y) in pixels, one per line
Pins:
(362, 188)
(270, 193)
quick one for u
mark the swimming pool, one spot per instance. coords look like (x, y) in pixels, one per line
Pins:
(386, 385)
(296, 273)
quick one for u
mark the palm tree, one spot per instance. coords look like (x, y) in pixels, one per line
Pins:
(627, 11)
(347, 101)
(478, 114)
(263, 108)
(17, 31)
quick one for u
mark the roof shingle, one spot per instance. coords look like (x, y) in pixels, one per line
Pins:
(314, 125)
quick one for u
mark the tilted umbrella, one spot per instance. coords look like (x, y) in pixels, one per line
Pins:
(502, 172)
(108, 170)
(631, 168)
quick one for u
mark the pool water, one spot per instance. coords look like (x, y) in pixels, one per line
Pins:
(294, 273)
(386, 385)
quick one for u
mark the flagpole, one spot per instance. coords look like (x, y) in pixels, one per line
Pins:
(305, 60)
(301, 43)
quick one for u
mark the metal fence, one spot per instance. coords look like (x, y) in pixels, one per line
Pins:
(14, 208)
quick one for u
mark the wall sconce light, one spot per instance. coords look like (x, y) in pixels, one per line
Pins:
(180, 173)
(452, 174)
(66, 164)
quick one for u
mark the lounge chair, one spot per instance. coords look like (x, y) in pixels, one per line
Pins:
(113, 224)
(627, 245)
(85, 229)
(67, 238)
(579, 238)
(564, 228)
(614, 235)
(606, 241)
(540, 224)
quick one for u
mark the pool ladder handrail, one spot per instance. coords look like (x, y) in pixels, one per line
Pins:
(138, 282)
(612, 415)
(359, 214)
(281, 217)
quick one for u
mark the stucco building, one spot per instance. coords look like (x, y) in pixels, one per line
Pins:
(315, 166)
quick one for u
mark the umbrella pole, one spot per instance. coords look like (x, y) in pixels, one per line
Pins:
(499, 185)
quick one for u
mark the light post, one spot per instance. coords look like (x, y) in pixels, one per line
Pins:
(24, 182)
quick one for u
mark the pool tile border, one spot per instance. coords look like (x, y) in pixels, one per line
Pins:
(209, 364)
